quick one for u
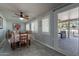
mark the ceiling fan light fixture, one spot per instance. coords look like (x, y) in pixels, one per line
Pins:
(21, 18)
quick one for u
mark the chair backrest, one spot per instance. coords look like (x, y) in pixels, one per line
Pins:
(23, 36)
(8, 34)
(29, 35)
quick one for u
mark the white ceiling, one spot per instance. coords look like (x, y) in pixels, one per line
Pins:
(31, 9)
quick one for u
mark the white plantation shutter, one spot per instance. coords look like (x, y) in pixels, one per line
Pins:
(34, 26)
(27, 27)
(45, 24)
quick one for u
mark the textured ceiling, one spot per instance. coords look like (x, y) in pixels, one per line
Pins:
(31, 9)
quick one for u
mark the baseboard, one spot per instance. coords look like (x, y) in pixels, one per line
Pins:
(56, 49)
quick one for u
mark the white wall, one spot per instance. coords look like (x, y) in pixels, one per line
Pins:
(8, 25)
(46, 38)
(2, 31)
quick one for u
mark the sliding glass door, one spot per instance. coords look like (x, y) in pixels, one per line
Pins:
(68, 24)
(68, 31)
(63, 24)
(74, 29)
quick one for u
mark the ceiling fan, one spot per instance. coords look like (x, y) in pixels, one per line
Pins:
(22, 16)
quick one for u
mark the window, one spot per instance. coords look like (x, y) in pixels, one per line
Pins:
(69, 23)
(74, 29)
(27, 27)
(45, 24)
(34, 26)
(74, 13)
(63, 27)
(63, 16)
(73, 25)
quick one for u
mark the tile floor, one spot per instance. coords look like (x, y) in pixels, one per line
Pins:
(36, 49)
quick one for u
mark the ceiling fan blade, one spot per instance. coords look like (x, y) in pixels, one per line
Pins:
(26, 17)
